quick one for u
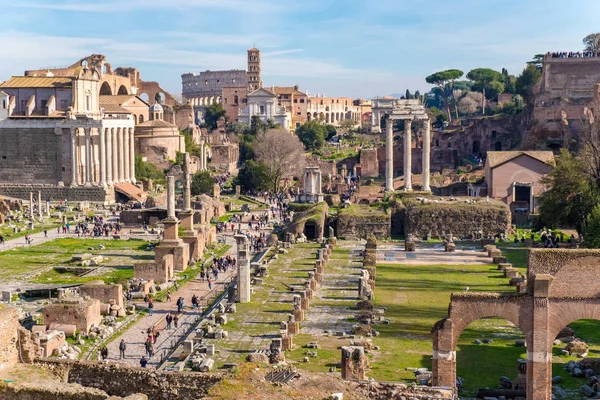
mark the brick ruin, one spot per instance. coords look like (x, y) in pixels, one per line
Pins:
(73, 314)
(547, 306)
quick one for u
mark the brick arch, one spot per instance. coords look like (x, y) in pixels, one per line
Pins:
(567, 311)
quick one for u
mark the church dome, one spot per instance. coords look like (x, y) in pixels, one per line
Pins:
(155, 107)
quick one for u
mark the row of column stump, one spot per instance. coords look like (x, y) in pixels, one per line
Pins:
(516, 278)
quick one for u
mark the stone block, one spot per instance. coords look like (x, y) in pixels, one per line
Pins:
(6, 296)
(353, 363)
(188, 346)
(503, 266)
(409, 246)
(450, 247)
(511, 273)
(499, 260)
(494, 253)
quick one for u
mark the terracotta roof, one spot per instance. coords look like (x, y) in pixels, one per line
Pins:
(255, 93)
(253, 49)
(36, 82)
(496, 158)
(156, 123)
(114, 108)
(119, 99)
(131, 191)
(283, 89)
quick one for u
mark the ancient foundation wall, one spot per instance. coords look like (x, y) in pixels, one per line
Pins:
(123, 381)
(103, 292)
(311, 220)
(62, 392)
(458, 217)
(9, 323)
(362, 221)
(57, 193)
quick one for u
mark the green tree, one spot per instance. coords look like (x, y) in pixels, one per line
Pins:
(312, 135)
(443, 78)
(572, 193)
(239, 128)
(592, 42)
(408, 95)
(537, 61)
(212, 114)
(525, 82)
(591, 230)
(485, 79)
(254, 176)
(202, 183)
(330, 131)
(145, 171)
(257, 125)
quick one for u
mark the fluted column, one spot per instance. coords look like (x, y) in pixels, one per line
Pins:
(126, 154)
(88, 156)
(389, 156)
(102, 157)
(109, 157)
(115, 155)
(131, 155)
(407, 155)
(426, 161)
(120, 155)
(73, 156)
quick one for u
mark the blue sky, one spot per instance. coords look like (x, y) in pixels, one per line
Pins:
(354, 48)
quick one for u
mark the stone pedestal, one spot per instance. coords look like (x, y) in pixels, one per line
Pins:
(190, 235)
(450, 247)
(298, 314)
(409, 246)
(353, 363)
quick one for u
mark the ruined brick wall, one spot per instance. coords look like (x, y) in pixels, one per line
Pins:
(102, 292)
(369, 163)
(57, 193)
(225, 157)
(123, 381)
(460, 218)
(30, 155)
(362, 221)
(9, 323)
(81, 313)
(15, 391)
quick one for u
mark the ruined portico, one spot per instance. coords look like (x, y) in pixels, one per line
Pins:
(409, 111)
(548, 306)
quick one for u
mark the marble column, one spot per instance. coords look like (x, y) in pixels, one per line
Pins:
(126, 154)
(202, 156)
(407, 155)
(88, 156)
(115, 156)
(73, 157)
(243, 267)
(170, 197)
(120, 155)
(426, 156)
(101, 132)
(187, 192)
(31, 205)
(48, 208)
(131, 156)
(389, 156)
(39, 202)
(109, 157)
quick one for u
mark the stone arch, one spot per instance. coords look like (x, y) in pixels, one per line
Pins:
(84, 63)
(327, 117)
(315, 115)
(555, 147)
(145, 97)
(123, 90)
(135, 119)
(218, 99)
(568, 312)
(211, 100)
(105, 89)
(141, 119)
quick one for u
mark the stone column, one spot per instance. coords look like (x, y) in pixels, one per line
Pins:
(120, 155)
(31, 205)
(375, 122)
(88, 156)
(425, 173)
(243, 266)
(115, 156)
(73, 157)
(170, 197)
(39, 202)
(109, 157)
(407, 155)
(202, 156)
(47, 208)
(131, 156)
(102, 157)
(126, 154)
(389, 156)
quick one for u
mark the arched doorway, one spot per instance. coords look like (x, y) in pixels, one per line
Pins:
(105, 89)
(476, 147)
(486, 350)
(122, 90)
(498, 146)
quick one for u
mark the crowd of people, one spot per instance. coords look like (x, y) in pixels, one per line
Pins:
(574, 54)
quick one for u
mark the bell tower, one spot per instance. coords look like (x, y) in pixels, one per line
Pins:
(254, 81)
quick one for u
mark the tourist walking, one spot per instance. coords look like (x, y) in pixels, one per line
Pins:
(169, 320)
(168, 295)
(122, 348)
(143, 362)
(150, 306)
(104, 353)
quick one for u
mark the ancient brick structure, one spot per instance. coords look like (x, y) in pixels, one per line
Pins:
(104, 293)
(354, 362)
(9, 321)
(81, 313)
(561, 288)
(225, 157)
(119, 380)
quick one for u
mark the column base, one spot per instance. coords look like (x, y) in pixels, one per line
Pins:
(88, 184)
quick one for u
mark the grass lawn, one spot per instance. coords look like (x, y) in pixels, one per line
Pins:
(59, 252)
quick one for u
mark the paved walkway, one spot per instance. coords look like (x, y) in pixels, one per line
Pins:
(135, 336)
